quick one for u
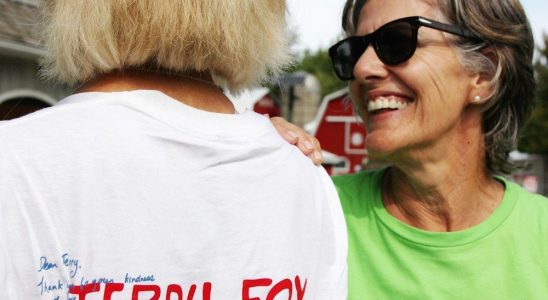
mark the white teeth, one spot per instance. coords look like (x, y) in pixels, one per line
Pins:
(384, 102)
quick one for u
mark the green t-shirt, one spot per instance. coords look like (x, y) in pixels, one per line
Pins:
(505, 257)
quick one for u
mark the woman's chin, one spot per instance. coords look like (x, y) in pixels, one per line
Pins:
(379, 145)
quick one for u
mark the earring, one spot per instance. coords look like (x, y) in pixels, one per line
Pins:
(477, 99)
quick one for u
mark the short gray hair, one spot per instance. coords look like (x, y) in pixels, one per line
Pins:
(504, 27)
(240, 42)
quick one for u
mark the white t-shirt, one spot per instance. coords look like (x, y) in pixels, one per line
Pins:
(134, 195)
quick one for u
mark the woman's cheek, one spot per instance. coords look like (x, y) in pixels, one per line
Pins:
(357, 94)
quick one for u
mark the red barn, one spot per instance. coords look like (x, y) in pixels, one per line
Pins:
(267, 106)
(341, 134)
(259, 100)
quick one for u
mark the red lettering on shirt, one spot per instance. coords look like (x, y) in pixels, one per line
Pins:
(279, 287)
(285, 284)
(110, 288)
(145, 288)
(300, 289)
(250, 283)
(82, 291)
(175, 291)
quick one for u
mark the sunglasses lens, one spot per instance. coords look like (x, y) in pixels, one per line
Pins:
(396, 43)
(345, 55)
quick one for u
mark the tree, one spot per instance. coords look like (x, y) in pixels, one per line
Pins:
(535, 134)
(319, 64)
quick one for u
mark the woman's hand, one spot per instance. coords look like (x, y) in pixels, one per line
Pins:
(295, 135)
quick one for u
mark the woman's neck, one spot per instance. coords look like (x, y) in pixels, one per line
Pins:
(444, 187)
(193, 89)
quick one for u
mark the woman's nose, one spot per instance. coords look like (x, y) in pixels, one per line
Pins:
(369, 66)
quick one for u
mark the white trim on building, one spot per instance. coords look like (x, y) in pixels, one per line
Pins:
(28, 2)
(27, 93)
(19, 50)
(313, 125)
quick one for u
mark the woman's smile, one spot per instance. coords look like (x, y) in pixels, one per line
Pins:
(386, 103)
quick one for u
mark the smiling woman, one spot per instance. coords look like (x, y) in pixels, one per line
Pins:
(444, 87)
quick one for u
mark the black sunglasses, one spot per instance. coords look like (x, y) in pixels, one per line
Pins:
(394, 43)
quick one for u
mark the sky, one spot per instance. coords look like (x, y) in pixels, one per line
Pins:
(317, 22)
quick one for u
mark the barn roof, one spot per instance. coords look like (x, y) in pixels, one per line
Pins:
(246, 99)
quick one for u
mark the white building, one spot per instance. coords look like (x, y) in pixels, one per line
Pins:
(21, 90)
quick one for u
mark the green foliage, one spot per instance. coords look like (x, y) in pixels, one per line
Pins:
(318, 64)
(541, 68)
(535, 135)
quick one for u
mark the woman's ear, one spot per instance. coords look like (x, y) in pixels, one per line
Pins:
(482, 82)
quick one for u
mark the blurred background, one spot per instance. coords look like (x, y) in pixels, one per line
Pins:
(308, 93)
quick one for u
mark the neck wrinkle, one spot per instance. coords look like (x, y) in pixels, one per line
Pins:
(196, 90)
(443, 194)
